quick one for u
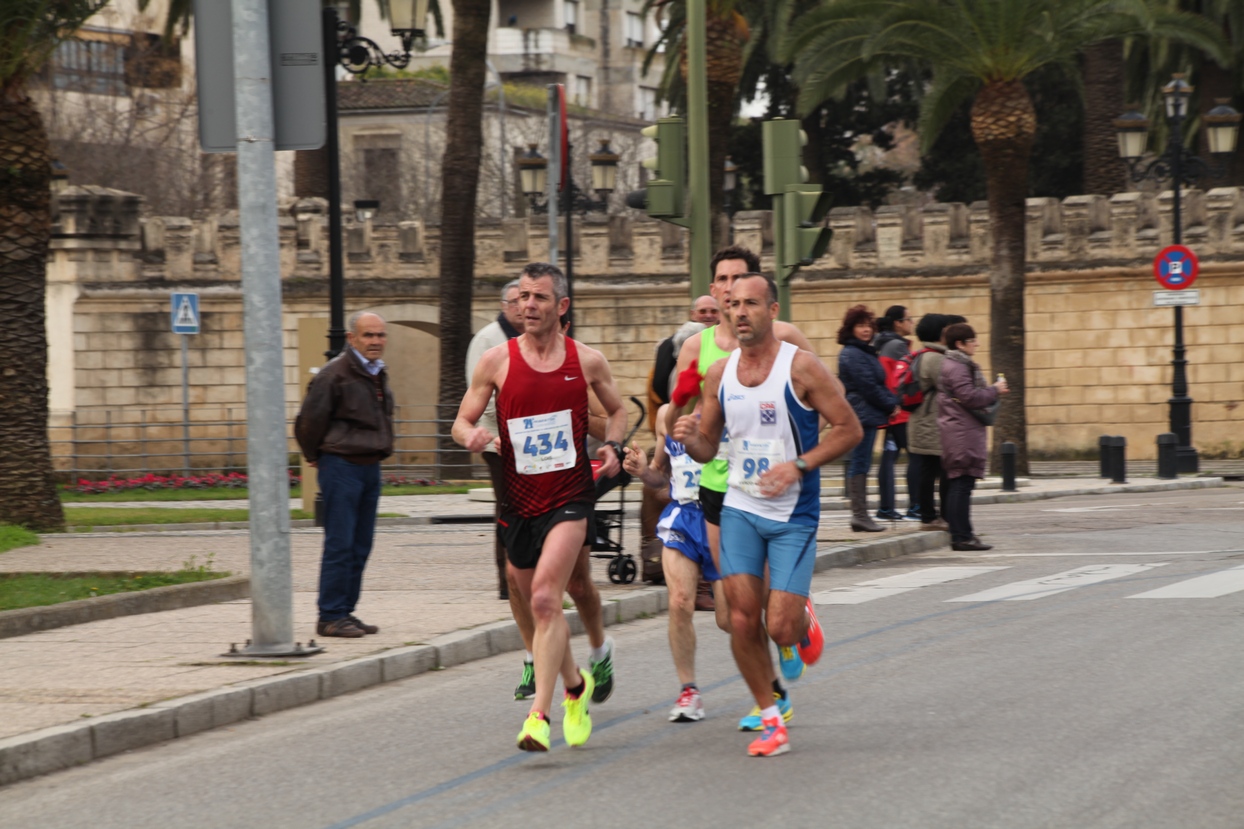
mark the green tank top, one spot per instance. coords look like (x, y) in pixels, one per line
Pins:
(715, 471)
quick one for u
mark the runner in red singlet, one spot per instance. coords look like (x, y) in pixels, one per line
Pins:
(541, 379)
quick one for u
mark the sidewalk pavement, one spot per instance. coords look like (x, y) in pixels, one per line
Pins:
(85, 691)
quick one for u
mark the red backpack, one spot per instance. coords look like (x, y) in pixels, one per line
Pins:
(904, 380)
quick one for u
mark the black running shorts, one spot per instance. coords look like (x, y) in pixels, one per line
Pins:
(524, 537)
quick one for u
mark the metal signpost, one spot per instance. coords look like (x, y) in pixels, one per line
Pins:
(1176, 268)
(260, 85)
(184, 313)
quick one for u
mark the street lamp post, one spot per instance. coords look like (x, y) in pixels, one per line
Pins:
(729, 184)
(533, 176)
(345, 47)
(1183, 168)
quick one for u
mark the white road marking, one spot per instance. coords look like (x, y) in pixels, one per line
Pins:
(894, 585)
(1059, 582)
(1209, 586)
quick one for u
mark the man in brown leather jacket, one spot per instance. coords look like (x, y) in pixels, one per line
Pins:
(345, 428)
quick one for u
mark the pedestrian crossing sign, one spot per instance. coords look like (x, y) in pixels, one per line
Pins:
(185, 313)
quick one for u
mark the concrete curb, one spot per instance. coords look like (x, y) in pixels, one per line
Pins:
(170, 597)
(61, 747)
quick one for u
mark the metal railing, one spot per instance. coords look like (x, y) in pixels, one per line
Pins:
(99, 444)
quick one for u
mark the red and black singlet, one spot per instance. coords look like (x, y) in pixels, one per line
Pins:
(542, 418)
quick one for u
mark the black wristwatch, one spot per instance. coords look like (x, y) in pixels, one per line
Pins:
(617, 449)
(801, 464)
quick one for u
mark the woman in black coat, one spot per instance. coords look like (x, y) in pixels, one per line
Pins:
(863, 379)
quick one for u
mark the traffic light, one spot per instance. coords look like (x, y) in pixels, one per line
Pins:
(807, 238)
(783, 142)
(665, 197)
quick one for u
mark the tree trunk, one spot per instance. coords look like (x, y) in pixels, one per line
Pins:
(28, 493)
(1105, 173)
(1003, 125)
(459, 188)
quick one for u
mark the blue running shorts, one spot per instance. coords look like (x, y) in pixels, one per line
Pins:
(748, 540)
(681, 528)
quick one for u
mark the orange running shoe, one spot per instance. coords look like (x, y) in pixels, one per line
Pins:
(814, 640)
(772, 740)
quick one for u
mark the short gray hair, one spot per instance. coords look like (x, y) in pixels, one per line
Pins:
(505, 289)
(538, 270)
(352, 324)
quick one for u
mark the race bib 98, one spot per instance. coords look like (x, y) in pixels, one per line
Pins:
(749, 459)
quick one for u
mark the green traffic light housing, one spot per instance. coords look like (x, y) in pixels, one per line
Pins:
(665, 197)
(783, 142)
(807, 237)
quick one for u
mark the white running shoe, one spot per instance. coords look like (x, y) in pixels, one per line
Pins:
(689, 708)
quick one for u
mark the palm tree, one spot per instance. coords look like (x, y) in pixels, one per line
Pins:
(29, 31)
(459, 188)
(726, 40)
(980, 50)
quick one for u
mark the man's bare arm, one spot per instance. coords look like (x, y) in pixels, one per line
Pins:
(655, 474)
(600, 378)
(475, 401)
(817, 388)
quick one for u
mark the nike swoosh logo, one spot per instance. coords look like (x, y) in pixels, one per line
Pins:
(572, 378)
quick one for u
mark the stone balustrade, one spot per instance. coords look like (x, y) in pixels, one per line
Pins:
(936, 238)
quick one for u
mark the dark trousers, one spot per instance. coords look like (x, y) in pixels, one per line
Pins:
(861, 457)
(958, 507)
(351, 494)
(931, 477)
(893, 441)
(501, 497)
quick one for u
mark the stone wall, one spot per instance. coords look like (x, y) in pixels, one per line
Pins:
(1098, 352)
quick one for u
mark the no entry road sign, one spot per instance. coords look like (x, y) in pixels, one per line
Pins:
(1175, 267)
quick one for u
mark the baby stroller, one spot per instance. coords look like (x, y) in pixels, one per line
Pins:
(608, 540)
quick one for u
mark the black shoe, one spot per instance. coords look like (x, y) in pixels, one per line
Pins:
(527, 683)
(889, 515)
(342, 628)
(969, 546)
(363, 626)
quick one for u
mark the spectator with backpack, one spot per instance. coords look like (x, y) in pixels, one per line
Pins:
(892, 347)
(864, 381)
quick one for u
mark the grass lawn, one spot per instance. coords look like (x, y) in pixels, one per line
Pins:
(231, 494)
(13, 537)
(39, 589)
(124, 516)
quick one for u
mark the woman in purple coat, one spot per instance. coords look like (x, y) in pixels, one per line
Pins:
(961, 389)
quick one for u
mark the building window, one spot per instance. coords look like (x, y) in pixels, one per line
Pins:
(634, 30)
(153, 62)
(647, 104)
(583, 91)
(570, 9)
(93, 66)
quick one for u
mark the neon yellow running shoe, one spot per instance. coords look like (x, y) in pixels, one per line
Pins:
(535, 733)
(577, 723)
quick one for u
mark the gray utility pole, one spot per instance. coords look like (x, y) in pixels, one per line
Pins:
(272, 586)
(697, 147)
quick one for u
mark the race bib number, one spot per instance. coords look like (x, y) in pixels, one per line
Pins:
(749, 459)
(544, 443)
(684, 478)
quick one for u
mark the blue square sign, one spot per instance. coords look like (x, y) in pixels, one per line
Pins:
(185, 313)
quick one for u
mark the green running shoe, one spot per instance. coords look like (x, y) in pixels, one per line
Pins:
(577, 723)
(527, 685)
(602, 674)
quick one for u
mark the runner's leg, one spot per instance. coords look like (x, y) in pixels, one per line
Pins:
(748, 639)
(682, 577)
(546, 588)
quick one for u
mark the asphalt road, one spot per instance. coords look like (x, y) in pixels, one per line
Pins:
(1085, 673)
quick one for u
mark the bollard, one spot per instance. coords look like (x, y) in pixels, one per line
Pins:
(1103, 452)
(1168, 458)
(1008, 467)
(1118, 460)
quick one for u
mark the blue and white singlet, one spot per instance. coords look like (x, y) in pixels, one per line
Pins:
(769, 425)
